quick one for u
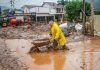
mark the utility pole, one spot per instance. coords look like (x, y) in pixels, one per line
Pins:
(92, 17)
(0, 10)
(62, 2)
(84, 17)
(12, 3)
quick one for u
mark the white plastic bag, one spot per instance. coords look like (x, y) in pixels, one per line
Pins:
(78, 26)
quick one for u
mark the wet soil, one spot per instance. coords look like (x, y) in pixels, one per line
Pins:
(83, 55)
(24, 32)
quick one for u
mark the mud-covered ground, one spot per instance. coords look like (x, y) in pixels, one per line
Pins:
(9, 61)
(15, 43)
(23, 32)
(35, 32)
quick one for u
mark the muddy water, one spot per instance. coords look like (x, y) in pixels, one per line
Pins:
(83, 55)
(19, 45)
(49, 61)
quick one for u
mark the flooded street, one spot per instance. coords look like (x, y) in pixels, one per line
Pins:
(49, 35)
(83, 55)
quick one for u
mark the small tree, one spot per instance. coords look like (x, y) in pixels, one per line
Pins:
(73, 9)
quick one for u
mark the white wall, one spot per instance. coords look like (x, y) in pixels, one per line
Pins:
(40, 10)
(26, 10)
(97, 24)
(32, 10)
(52, 11)
(20, 17)
(18, 12)
(43, 10)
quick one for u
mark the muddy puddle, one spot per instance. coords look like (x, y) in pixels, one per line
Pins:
(49, 61)
(83, 55)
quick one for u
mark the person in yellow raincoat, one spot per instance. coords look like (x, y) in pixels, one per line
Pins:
(57, 35)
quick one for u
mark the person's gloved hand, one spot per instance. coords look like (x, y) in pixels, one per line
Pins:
(51, 40)
(50, 34)
(51, 44)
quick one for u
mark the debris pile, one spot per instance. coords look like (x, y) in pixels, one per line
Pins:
(23, 32)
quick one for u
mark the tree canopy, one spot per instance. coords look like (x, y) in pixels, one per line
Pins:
(73, 9)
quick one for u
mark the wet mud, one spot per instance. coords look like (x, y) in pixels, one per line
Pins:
(83, 55)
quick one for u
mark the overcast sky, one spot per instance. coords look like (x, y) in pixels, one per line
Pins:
(19, 3)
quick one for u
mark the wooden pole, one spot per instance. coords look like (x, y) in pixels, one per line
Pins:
(92, 17)
(84, 17)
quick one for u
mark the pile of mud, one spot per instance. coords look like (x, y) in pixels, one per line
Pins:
(23, 32)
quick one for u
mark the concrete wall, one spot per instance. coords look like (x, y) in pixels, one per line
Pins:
(52, 11)
(43, 10)
(97, 24)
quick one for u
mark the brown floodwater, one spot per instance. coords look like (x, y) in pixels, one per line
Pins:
(50, 61)
(83, 55)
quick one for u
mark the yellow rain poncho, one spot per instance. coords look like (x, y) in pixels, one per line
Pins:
(57, 34)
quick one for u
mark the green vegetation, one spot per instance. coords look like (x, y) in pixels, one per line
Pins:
(73, 9)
